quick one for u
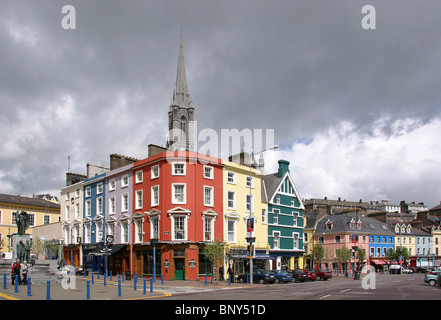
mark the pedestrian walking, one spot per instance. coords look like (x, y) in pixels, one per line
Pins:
(15, 271)
(24, 272)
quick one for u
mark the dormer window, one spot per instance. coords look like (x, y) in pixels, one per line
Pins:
(329, 225)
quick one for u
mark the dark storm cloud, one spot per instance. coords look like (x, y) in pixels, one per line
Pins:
(294, 66)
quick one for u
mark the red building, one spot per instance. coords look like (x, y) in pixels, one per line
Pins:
(178, 207)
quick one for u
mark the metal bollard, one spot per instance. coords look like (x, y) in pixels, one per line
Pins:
(110, 275)
(88, 290)
(48, 290)
(135, 282)
(16, 283)
(105, 277)
(93, 282)
(4, 281)
(151, 285)
(162, 279)
(145, 287)
(29, 287)
(119, 286)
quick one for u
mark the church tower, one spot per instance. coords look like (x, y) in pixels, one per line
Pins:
(181, 113)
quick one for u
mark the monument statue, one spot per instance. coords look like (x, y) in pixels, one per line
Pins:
(23, 222)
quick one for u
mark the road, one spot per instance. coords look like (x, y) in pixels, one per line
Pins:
(382, 287)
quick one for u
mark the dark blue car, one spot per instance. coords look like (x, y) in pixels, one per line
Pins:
(282, 276)
(260, 276)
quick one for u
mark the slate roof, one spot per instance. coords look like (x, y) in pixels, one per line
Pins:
(26, 201)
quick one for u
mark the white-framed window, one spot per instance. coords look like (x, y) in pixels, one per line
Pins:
(179, 227)
(99, 205)
(155, 196)
(99, 231)
(46, 219)
(138, 230)
(124, 231)
(125, 202)
(88, 192)
(125, 181)
(263, 215)
(155, 172)
(294, 220)
(231, 177)
(208, 229)
(111, 228)
(178, 169)
(66, 213)
(112, 205)
(249, 203)
(77, 210)
(138, 199)
(67, 196)
(77, 193)
(99, 188)
(179, 195)
(208, 196)
(138, 176)
(208, 172)
(276, 240)
(154, 227)
(278, 199)
(231, 230)
(276, 216)
(231, 200)
(295, 241)
(250, 181)
(87, 209)
(112, 184)
(87, 233)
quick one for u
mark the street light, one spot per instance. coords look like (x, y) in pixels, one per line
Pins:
(251, 239)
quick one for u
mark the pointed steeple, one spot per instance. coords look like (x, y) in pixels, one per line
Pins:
(181, 122)
(181, 95)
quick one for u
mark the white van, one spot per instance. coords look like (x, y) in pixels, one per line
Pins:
(6, 255)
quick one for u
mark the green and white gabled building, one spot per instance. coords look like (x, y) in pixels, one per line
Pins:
(285, 218)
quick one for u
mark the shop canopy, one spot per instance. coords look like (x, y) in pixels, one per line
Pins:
(102, 250)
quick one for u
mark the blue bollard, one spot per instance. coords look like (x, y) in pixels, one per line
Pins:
(29, 287)
(4, 281)
(229, 281)
(162, 279)
(205, 279)
(135, 282)
(93, 281)
(16, 284)
(110, 275)
(119, 286)
(145, 287)
(48, 290)
(88, 290)
(151, 285)
(105, 280)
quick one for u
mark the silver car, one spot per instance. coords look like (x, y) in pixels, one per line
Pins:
(432, 277)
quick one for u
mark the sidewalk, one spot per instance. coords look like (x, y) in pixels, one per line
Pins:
(77, 289)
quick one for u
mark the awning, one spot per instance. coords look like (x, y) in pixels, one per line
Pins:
(101, 251)
(379, 262)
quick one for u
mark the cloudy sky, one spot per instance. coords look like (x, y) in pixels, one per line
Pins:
(357, 112)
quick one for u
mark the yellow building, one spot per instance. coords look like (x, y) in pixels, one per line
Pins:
(40, 212)
(405, 238)
(237, 212)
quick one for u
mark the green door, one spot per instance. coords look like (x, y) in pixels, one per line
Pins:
(179, 264)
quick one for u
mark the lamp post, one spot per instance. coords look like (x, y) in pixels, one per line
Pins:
(154, 242)
(252, 239)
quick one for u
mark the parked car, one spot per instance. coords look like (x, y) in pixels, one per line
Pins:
(261, 276)
(283, 276)
(431, 277)
(311, 275)
(322, 274)
(299, 275)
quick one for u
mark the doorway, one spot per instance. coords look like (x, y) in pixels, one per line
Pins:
(179, 267)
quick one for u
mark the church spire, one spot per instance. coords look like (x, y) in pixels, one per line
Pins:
(181, 122)
(181, 95)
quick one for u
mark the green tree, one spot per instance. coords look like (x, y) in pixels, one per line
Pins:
(214, 252)
(37, 247)
(318, 253)
(344, 254)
